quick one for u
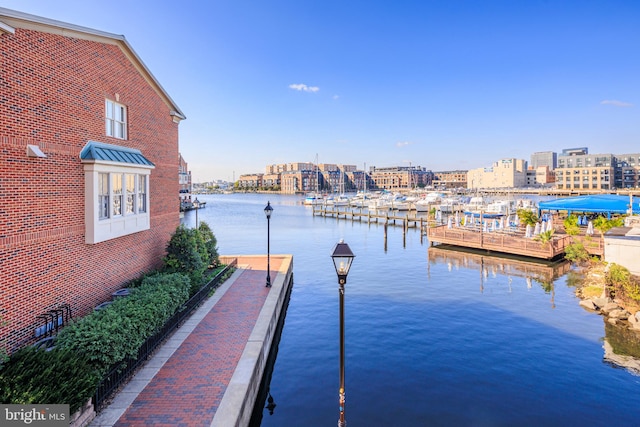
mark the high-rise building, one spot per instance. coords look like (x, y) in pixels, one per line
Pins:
(598, 171)
(544, 158)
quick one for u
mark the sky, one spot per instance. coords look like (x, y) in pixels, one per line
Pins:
(440, 84)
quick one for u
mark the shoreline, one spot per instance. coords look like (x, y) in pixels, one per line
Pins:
(615, 311)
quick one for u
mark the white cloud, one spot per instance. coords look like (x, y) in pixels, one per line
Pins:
(616, 103)
(403, 144)
(336, 96)
(303, 87)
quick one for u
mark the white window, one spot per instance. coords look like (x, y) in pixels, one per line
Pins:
(103, 196)
(142, 193)
(116, 192)
(115, 120)
(116, 184)
(130, 180)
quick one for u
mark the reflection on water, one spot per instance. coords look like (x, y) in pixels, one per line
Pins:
(542, 272)
(622, 347)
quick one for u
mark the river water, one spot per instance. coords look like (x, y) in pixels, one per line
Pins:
(434, 337)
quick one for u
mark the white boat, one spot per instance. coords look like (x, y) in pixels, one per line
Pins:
(500, 207)
(423, 205)
(451, 205)
(378, 203)
(313, 199)
(428, 201)
(476, 203)
(361, 200)
(398, 202)
(339, 201)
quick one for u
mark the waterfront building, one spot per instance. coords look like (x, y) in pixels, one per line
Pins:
(89, 164)
(627, 171)
(398, 178)
(542, 176)
(358, 181)
(544, 158)
(301, 181)
(271, 180)
(598, 171)
(335, 177)
(505, 173)
(251, 181)
(450, 179)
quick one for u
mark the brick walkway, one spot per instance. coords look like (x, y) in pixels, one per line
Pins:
(188, 388)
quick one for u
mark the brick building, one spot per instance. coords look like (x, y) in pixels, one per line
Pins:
(88, 165)
(450, 179)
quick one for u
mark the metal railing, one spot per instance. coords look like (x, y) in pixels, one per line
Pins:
(121, 371)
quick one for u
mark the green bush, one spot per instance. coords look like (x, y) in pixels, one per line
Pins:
(620, 279)
(187, 254)
(116, 332)
(576, 253)
(571, 226)
(56, 376)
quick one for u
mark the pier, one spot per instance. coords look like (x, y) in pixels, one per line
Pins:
(512, 242)
(508, 241)
(410, 220)
(498, 242)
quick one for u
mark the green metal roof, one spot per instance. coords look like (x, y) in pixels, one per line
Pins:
(99, 151)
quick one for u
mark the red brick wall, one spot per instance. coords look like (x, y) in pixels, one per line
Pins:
(52, 94)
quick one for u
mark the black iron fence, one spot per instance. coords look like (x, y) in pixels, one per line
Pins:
(121, 371)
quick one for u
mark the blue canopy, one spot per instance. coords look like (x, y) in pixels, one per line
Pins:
(602, 203)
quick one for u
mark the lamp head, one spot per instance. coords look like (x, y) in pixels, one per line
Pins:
(342, 259)
(267, 210)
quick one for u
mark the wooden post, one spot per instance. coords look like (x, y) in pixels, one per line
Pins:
(385, 235)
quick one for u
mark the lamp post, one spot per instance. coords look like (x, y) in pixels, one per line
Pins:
(342, 259)
(196, 204)
(267, 211)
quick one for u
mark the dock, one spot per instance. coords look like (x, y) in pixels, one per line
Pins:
(409, 220)
(507, 241)
(511, 242)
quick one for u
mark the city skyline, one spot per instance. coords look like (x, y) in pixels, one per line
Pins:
(443, 85)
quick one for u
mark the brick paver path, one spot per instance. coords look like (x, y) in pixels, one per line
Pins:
(189, 387)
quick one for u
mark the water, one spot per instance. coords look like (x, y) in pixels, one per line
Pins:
(433, 337)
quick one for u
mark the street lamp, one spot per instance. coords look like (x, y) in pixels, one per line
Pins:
(267, 211)
(196, 205)
(342, 259)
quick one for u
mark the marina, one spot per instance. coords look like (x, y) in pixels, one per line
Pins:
(429, 330)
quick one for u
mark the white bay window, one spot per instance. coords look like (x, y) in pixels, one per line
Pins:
(116, 191)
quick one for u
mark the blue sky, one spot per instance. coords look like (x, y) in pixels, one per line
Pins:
(441, 84)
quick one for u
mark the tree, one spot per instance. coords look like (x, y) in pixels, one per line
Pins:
(603, 224)
(210, 243)
(527, 217)
(545, 237)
